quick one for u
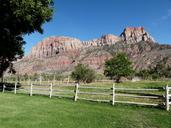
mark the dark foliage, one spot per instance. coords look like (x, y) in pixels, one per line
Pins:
(83, 73)
(9, 86)
(20, 17)
(118, 66)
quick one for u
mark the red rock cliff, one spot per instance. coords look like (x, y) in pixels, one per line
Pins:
(135, 34)
(63, 53)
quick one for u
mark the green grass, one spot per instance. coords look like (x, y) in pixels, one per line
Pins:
(138, 84)
(22, 111)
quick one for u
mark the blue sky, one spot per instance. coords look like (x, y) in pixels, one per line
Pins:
(88, 19)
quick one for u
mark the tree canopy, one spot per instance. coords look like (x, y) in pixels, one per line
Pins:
(83, 73)
(119, 65)
(20, 17)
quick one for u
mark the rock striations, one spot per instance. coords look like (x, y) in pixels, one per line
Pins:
(54, 45)
(61, 54)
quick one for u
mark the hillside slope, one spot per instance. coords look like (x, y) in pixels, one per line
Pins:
(61, 54)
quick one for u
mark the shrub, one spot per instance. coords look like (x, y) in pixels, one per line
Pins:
(82, 73)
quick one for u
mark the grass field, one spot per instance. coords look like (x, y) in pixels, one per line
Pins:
(22, 111)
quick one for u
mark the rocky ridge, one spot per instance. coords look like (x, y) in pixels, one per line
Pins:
(61, 54)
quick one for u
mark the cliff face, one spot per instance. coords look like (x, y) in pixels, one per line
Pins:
(132, 35)
(52, 46)
(56, 54)
(104, 40)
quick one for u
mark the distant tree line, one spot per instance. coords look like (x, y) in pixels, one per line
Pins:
(115, 68)
(36, 77)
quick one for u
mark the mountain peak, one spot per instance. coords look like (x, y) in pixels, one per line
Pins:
(136, 34)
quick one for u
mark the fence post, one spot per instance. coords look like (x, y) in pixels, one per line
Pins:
(68, 80)
(113, 95)
(3, 89)
(31, 89)
(28, 81)
(48, 81)
(50, 90)
(54, 79)
(15, 88)
(167, 97)
(76, 92)
(40, 79)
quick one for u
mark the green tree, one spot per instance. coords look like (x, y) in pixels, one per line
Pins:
(118, 66)
(18, 18)
(83, 73)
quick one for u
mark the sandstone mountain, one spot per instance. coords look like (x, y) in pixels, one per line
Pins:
(61, 54)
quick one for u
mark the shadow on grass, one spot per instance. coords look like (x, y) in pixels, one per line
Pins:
(9, 86)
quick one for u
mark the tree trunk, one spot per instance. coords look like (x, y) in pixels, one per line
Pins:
(118, 79)
(2, 76)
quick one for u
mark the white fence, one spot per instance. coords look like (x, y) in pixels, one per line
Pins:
(112, 93)
(33, 89)
(167, 97)
(116, 94)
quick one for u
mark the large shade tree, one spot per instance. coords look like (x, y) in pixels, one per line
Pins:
(18, 18)
(118, 66)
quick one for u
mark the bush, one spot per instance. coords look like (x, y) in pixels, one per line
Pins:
(101, 77)
(145, 74)
(82, 73)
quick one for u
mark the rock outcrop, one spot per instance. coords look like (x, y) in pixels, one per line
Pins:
(135, 34)
(61, 54)
(52, 46)
(104, 40)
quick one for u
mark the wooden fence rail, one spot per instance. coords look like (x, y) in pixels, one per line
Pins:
(112, 92)
(115, 94)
